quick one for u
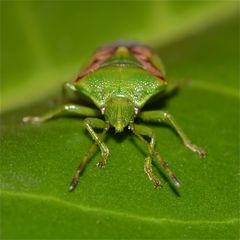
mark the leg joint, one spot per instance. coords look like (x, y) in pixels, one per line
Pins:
(166, 115)
(68, 107)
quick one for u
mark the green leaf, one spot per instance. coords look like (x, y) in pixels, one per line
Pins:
(119, 202)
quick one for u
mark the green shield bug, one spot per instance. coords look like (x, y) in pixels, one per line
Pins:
(119, 80)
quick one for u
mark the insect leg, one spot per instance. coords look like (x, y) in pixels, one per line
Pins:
(66, 109)
(148, 170)
(84, 162)
(91, 123)
(141, 131)
(68, 88)
(165, 117)
(148, 160)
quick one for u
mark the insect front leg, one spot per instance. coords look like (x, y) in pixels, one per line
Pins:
(90, 124)
(148, 170)
(66, 109)
(148, 160)
(165, 117)
(85, 160)
(141, 131)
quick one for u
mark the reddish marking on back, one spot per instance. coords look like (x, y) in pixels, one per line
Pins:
(142, 53)
(98, 59)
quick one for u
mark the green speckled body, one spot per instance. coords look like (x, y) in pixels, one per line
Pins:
(131, 82)
(121, 74)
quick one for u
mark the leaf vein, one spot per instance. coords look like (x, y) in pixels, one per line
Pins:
(128, 215)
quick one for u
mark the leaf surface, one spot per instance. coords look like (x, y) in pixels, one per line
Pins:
(38, 161)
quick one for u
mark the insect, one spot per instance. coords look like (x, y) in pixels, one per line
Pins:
(119, 80)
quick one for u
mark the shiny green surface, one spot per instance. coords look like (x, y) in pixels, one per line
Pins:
(132, 82)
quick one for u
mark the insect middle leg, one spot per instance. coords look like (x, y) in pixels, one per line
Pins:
(165, 117)
(141, 131)
(66, 109)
